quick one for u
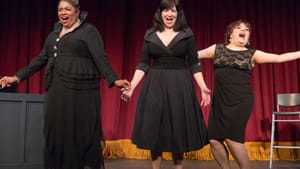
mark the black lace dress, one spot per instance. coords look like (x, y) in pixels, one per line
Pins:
(233, 98)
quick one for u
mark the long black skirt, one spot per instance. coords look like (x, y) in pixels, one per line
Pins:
(72, 128)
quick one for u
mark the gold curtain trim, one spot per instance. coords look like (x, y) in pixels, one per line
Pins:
(256, 151)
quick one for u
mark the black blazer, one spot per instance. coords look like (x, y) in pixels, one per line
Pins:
(78, 57)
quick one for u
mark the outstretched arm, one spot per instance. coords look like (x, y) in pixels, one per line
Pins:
(137, 77)
(260, 57)
(207, 53)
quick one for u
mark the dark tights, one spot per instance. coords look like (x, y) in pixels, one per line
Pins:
(177, 157)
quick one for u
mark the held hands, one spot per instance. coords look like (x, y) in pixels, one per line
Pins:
(125, 87)
(7, 81)
(123, 84)
(126, 95)
(205, 94)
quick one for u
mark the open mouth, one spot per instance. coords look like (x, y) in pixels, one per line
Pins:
(169, 20)
(64, 19)
(242, 35)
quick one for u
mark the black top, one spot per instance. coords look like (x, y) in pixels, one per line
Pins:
(225, 57)
(181, 49)
(79, 58)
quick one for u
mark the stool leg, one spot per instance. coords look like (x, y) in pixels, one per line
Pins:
(272, 139)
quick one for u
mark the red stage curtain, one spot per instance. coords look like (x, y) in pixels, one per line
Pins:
(275, 28)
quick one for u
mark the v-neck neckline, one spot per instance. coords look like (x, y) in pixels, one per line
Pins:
(171, 41)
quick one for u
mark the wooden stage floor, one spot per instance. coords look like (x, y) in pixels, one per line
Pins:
(195, 164)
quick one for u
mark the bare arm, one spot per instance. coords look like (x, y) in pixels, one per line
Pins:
(205, 92)
(207, 53)
(137, 77)
(260, 57)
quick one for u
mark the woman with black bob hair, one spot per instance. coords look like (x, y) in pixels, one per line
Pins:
(168, 115)
(180, 22)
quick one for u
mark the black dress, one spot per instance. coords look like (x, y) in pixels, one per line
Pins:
(75, 64)
(233, 97)
(168, 116)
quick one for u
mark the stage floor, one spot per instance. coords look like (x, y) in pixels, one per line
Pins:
(195, 164)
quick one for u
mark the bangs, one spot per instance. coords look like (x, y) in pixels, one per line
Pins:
(237, 23)
(168, 4)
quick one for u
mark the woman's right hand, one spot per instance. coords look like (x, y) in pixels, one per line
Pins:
(205, 94)
(7, 81)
